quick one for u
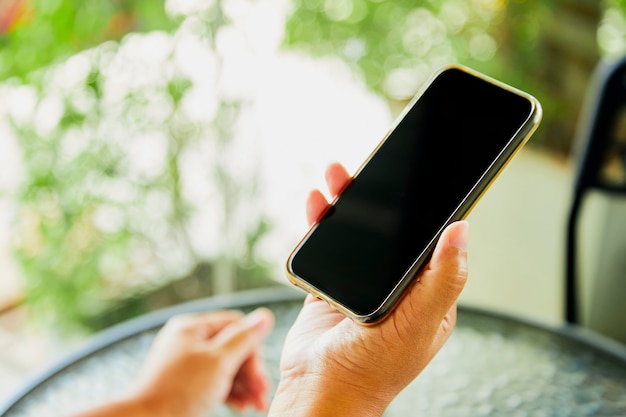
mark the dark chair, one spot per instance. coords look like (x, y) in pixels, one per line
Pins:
(600, 164)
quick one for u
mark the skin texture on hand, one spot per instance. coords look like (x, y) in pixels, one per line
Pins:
(333, 366)
(198, 361)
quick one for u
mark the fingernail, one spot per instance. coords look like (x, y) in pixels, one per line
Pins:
(261, 319)
(460, 235)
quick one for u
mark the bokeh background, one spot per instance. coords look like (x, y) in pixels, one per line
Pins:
(153, 152)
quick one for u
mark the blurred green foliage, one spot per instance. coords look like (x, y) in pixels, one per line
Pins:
(548, 48)
(99, 226)
(45, 31)
(107, 207)
(383, 38)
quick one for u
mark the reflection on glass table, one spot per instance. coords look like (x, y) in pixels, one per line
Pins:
(493, 365)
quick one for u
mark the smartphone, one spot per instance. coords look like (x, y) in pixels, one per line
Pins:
(429, 170)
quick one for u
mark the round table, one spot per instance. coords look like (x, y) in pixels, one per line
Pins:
(493, 365)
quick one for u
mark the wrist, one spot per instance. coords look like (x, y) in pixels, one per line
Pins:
(311, 395)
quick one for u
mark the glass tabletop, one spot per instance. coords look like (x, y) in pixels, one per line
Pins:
(493, 365)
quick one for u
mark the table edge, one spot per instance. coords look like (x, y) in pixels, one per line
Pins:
(272, 295)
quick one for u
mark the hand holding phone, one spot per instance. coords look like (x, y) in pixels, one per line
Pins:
(448, 146)
(330, 365)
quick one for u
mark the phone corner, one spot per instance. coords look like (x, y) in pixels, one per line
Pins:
(538, 110)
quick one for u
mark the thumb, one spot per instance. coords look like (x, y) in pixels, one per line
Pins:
(446, 274)
(240, 338)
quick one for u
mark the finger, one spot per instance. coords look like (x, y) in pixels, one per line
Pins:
(237, 403)
(238, 340)
(446, 274)
(315, 206)
(262, 383)
(251, 384)
(205, 325)
(449, 320)
(431, 297)
(259, 383)
(454, 237)
(337, 178)
(310, 298)
(240, 397)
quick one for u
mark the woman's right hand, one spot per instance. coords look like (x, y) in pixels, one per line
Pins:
(333, 366)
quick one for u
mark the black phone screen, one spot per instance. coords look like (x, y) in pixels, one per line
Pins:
(399, 201)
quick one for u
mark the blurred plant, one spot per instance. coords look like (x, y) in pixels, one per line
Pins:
(548, 48)
(128, 146)
(35, 33)
(132, 177)
(396, 45)
(612, 30)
